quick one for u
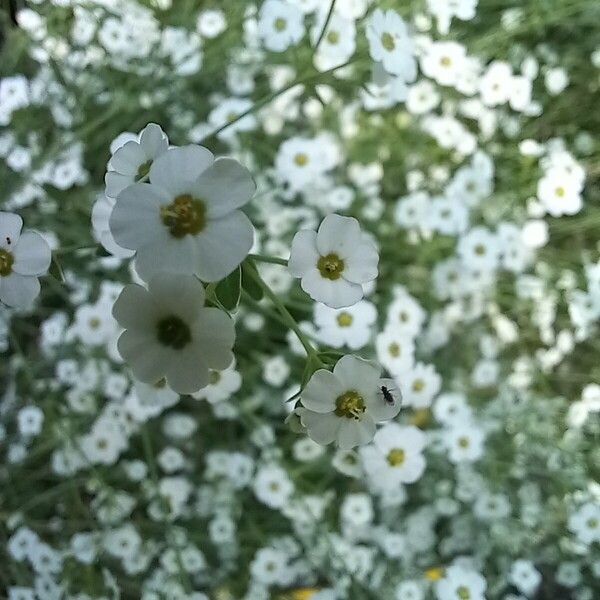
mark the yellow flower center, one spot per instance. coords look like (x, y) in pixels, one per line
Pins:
(560, 191)
(184, 216)
(418, 385)
(434, 573)
(463, 442)
(333, 37)
(6, 262)
(387, 41)
(445, 61)
(344, 319)
(280, 24)
(350, 405)
(172, 332)
(396, 457)
(330, 266)
(301, 159)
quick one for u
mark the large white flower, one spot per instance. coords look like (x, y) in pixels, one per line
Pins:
(170, 334)
(345, 405)
(132, 161)
(334, 261)
(24, 256)
(186, 220)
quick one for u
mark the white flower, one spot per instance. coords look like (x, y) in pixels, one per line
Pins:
(338, 43)
(280, 25)
(101, 212)
(24, 256)
(525, 576)
(273, 486)
(464, 442)
(344, 406)
(222, 385)
(419, 386)
(445, 62)
(333, 262)
(132, 161)
(459, 583)
(391, 45)
(170, 334)
(351, 326)
(395, 457)
(187, 219)
(559, 192)
(585, 523)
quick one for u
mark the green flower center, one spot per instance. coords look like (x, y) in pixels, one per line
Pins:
(6, 262)
(387, 41)
(143, 170)
(214, 377)
(330, 266)
(350, 405)
(480, 249)
(394, 349)
(396, 457)
(184, 216)
(344, 319)
(280, 24)
(463, 442)
(333, 37)
(592, 523)
(463, 592)
(173, 332)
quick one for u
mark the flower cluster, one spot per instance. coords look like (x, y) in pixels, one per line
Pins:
(299, 299)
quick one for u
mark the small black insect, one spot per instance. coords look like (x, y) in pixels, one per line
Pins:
(388, 395)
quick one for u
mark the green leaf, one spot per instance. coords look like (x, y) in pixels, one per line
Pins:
(228, 291)
(56, 271)
(249, 284)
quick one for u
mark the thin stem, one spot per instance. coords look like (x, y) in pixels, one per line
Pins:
(269, 97)
(285, 315)
(326, 24)
(274, 260)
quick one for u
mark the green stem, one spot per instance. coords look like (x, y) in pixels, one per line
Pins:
(326, 24)
(288, 319)
(269, 259)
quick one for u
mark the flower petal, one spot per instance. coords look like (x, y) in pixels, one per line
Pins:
(226, 185)
(355, 432)
(321, 391)
(135, 308)
(321, 428)
(303, 254)
(153, 141)
(135, 219)
(214, 331)
(357, 374)
(338, 234)
(361, 264)
(189, 372)
(223, 245)
(166, 254)
(19, 291)
(336, 294)
(180, 294)
(178, 168)
(32, 254)
(10, 228)
(147, 359)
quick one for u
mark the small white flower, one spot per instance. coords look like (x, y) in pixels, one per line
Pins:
(345, 405)
(391, 45)
(187, 219)
(334, 261)
(170, 334)
(132, 161)
(24, 256)
(351, 326)
(280, 25)
(585, 523)
(395, 457)
(459, 583)
(464, 443)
